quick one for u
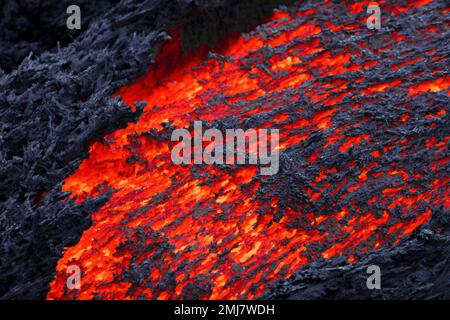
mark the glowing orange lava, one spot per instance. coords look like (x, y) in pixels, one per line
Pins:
(172, 231)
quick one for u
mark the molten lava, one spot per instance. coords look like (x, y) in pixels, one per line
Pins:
(347, 183)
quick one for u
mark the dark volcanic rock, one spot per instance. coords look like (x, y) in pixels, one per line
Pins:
(417, 268)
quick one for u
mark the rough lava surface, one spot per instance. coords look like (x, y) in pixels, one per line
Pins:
(57, 96)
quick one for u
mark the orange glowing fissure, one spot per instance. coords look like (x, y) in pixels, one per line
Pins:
(177, 226)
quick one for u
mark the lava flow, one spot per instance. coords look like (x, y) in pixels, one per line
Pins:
(362, 164)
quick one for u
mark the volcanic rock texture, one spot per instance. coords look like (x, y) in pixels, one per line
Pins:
(85, 171)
